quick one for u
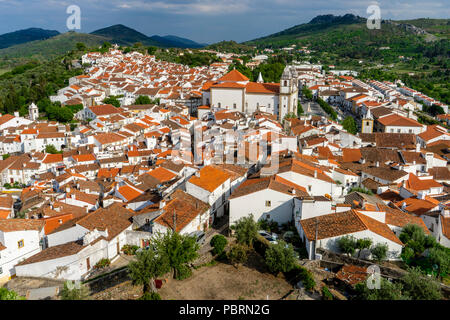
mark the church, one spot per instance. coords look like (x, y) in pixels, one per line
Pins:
(234, 91)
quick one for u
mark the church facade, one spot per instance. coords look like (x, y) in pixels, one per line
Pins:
(234, 91)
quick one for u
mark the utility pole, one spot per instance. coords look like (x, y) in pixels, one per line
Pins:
(174, 221)
(315, 242)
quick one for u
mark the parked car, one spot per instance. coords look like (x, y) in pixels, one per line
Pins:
(271, 237)
(200, 237)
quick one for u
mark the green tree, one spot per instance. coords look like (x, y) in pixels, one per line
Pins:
(151, 50)
(379, 252)
(246, 230)
(6, 294)
(51, 149)
(237, 254)
(218, 242)
(300, 110)
(280, 257)
(347, 244)
(74, 291)
(418, 286)
(80, 46)
(142, 100)
(387, 291)
(112, 100)
(350, 125)
(180, 250)
(440, 258)
(362, 244)
(149, 264)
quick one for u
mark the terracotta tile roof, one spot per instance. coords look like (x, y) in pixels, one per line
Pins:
(342, 223)
(53, 158)
(233, 75)
(416, 206)
(104, 110)
(398, 218)
(351, 274)
(262, 88)
(59, 251)
(210, 178)
(351, 155)
(417, 184)
(398, 121)
(185, 207)
(114, 218)
(11, 225)
(129, 193)
(277, 184)
(162, 174)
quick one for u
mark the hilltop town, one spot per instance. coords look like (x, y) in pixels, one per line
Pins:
(318, 156)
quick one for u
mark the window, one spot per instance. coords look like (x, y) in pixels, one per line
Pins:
(268, 203)
(20, 244)
(218, 104)
(268, 216)
(398, 130)
(147, 221)
(392, 130)
(60, 221)
(1, 270)
(234, 105)
(309, 188)
(410, 130)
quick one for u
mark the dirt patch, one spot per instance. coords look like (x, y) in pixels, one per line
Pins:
(223, 281)
(216, 282)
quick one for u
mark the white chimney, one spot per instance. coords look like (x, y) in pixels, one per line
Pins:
(417, 147)
(162, 204)
(403, 205)
(197, 174)
(315, 173)
(378, 164)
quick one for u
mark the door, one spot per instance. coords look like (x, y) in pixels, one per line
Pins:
(88, 264)
(118, 247)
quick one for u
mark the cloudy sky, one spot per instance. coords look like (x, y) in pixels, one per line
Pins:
(202, 20)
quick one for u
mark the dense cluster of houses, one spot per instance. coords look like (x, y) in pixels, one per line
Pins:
(131, 172)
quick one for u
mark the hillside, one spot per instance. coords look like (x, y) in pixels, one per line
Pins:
(26, 35)
(49, 48)
(126, 36)
(229, 46)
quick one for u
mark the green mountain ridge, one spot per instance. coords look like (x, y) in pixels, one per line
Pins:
(126, 36)
(25, 35)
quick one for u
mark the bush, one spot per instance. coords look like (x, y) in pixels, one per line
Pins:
(280, 257)
(182, 272)
(6, 294)
(379, 252)
(246, 230)
(326, 294)
(237, 254)
(129, 249)
(347, 244)
(74, 291)
(218, 242)
(103, 263)
(150, 296)
(299, 273)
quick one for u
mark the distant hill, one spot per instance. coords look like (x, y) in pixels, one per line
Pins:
(354, 28)
(229, 46)
(189, 43)
(126, 36)
(26, 35)
(46, 49)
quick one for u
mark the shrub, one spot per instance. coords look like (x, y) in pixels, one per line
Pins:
(299, 273)
(280, 257)
(182, 272)
(218, 242)
(347, 244)
(6, 294)
(326, 294)
(379, 252)
(103, 263)
(129, 249)
(246, 230)
(74, 291)
(237, 254)
(150, 296)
